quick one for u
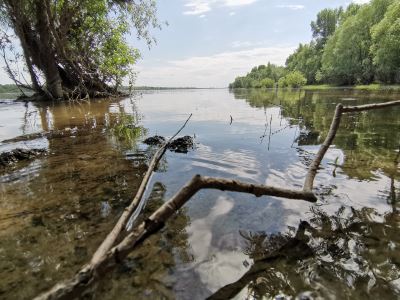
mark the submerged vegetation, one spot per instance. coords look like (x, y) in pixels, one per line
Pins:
(357, 45)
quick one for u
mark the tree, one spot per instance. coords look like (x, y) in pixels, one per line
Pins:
(268, 83)
(78, 48)
(325, 25)
(295, 79)
(307, 60)
(343, 63)
(386, 45)
(255, 79)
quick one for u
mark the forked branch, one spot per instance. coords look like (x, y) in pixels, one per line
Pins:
(340, 109)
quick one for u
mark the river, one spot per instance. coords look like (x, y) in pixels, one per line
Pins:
(55, 210)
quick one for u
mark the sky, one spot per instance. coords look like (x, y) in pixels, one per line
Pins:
(207, 43)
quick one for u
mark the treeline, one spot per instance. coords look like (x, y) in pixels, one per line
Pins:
(269, 76)
(356, 45)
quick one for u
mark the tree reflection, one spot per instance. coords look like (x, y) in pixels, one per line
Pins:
(352, 254)
(369, 140)
(90, 178)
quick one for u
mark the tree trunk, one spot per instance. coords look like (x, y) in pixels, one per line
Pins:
(47, 51)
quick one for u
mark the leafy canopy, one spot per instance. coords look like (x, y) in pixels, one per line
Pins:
(88, 39)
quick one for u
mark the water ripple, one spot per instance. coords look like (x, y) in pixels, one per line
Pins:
(239, 163)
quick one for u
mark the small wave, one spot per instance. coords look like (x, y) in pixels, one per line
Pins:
(240, 163)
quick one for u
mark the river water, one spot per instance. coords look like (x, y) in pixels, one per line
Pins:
(56, 209)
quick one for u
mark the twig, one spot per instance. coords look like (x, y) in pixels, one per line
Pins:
(270, 131)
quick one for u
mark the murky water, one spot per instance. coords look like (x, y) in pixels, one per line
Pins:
(55, 210)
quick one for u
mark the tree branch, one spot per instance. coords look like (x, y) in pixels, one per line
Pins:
(340, 109)
(105, 263)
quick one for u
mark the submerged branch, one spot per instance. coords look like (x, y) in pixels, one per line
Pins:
(115, 233)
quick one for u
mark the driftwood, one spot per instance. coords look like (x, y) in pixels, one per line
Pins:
(106, 261)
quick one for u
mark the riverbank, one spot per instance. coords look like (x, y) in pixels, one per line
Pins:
(368, 87)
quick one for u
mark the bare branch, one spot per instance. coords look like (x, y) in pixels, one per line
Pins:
(308, 184)
(340, 109)
(370, 106)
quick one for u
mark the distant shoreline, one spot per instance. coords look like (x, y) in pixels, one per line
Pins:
(13, 89)
(172, 88)
(319, 87)
(364, 87)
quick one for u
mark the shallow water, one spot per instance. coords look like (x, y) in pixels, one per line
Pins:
(55, 210)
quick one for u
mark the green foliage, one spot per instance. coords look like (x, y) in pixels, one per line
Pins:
(293, 79)
(267, 83)
(352, 46)
(101, 33)
(87, 40)
(307, 60)
(346, 64)
(325, 25)
(282, 82)
(386, 45)
(261, 76)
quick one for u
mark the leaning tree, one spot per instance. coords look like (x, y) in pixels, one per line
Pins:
(73, 48)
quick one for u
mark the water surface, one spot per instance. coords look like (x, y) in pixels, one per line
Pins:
(55, 210)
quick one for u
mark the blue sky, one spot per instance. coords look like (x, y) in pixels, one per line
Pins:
(210, 42)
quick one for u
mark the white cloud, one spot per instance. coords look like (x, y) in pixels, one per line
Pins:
(217, 70)
(292, 6)
(198, 7)
(237, 2)
(247, 44)
(232, 13)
